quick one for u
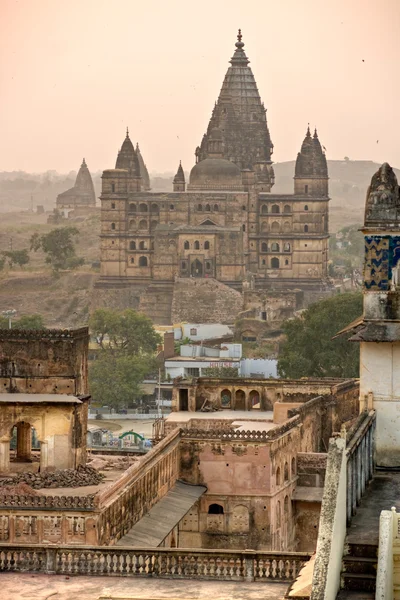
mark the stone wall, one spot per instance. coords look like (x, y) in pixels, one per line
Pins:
(205, 301)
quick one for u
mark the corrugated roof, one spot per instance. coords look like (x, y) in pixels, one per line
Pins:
(154, 527)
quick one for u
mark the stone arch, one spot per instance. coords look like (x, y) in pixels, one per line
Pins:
(264, 247)
(143, 261)
(142, 245)
(240, 400)
(216, 208)
(286, 247)
(206, 245)
(197, 245)
(254, 399)
(132, 260)
(305, 228)
(215, 509)
(197, 268)
(278, 514)
(306, 207)
(274, 263)
(275, 209)
(186, 245)
(264, 209)
(143, 224)
(278, 476)
(275, 247)
(143, 207)
(226, 397)
(132, 245)
(113, 226)
(132, 208)
(286, 506)
(207, 208)
(154, 208)
(132, 224)
(215, 518)
(286, 472)
(275, 227)
(240, 522)
(287, 208)
(287, 227)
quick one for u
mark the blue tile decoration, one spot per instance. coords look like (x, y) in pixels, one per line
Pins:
(382, 253)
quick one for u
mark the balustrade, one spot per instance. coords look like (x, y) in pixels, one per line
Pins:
(176, 563)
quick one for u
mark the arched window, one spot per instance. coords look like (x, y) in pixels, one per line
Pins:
(286, 472)
(143, 207)
(112, 225)
(112, 204)
(243, 227)
(306, 207)
(254, 399)
(278, 476)
(132, 261)
(206, 245)
(197, 245)
(216, 207)
(275, 247)
(132, 208)
(306, 189)
(305, 228)
(286, 262)
(142, 245)
(274, 263)
(264, 209)
(278, 514)
(208, 208)
(199, 207)
(263, 261)
(132, 224)
(286, 506)
(226, 397)
(186, 245)
(275, 227)
(132, 245)
(171, 207)
(293, 467)
(208, 265)
(215, 509)
(153, 224)
(286, 247)
(275, 209)
(287, 227)
(287, 208)
(264, 247)
(154, 208)
(143, 224)
(113, 188)
(143, 261)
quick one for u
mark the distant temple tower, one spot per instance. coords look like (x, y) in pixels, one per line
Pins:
(378, 331)
(179, 183)
(82, 195)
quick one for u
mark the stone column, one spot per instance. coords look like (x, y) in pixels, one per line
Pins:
(24, 442)
(4, 456)
(44, 458)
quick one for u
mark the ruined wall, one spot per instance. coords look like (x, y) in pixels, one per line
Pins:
(204, 301)
(311, 468)
(49, 361)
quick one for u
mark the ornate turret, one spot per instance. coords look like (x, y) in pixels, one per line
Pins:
(143, 170)
(127, 157)
(311, 170)
(179, 180)
(382, 206)
(82, 194)
(240, 117)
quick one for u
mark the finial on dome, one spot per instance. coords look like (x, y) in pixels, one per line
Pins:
(83, 163)
(239, 35)
(308, 131)
(315, 133)
(127, 132)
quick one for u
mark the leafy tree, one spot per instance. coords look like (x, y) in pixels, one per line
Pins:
(17, 257)
(309, 350)
(25, 322)
(221, 372)
(59, 247)
(127, 344)
(124, 332)
(115, 380)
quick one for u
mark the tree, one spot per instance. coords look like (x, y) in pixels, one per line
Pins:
(25, 322)
(124, 332)
(59, 247)
(16, 257)
(310, 351)
(127, 344)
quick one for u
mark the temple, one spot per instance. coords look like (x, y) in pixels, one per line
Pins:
(223, 223)
(81, 196)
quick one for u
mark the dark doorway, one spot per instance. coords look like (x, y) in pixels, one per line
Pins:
(183, 400)
(197, 268)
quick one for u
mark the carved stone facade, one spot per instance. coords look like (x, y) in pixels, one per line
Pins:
(227, 225)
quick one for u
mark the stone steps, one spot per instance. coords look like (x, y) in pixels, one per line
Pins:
(359, 567)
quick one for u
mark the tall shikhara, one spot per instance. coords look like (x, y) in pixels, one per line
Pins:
(241, 117)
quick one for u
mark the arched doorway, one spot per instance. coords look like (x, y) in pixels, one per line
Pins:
(240, 400)
(197, 268)
(23, 440)
(254, 398)
(226, 398)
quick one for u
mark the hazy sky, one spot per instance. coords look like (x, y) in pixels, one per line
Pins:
(75, 73)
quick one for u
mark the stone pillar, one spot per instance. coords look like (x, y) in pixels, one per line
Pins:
(4, 456)
(44, 457)
(24, 442)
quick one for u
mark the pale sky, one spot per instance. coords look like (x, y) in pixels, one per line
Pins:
(75, 73)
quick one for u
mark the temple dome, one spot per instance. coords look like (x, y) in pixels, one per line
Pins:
(215, 173)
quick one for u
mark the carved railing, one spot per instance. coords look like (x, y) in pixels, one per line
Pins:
(8, 501)
(247, 436)
(220, 565)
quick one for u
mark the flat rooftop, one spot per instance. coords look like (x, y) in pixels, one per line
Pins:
(23, 586)
(241, 420)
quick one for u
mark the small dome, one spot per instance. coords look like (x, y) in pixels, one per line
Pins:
(215, 171)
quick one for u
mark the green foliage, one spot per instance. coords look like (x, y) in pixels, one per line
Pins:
(124, 332)
(220, 372)
(309, 350)
(59, 247)
(25, 322)
(16, 257)
(127, 345)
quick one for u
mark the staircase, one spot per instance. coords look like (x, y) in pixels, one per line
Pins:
(358, 576)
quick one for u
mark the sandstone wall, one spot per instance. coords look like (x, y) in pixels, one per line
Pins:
(205, 301)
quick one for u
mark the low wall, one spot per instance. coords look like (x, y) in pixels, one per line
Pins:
(177, 564)
(388, 525)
